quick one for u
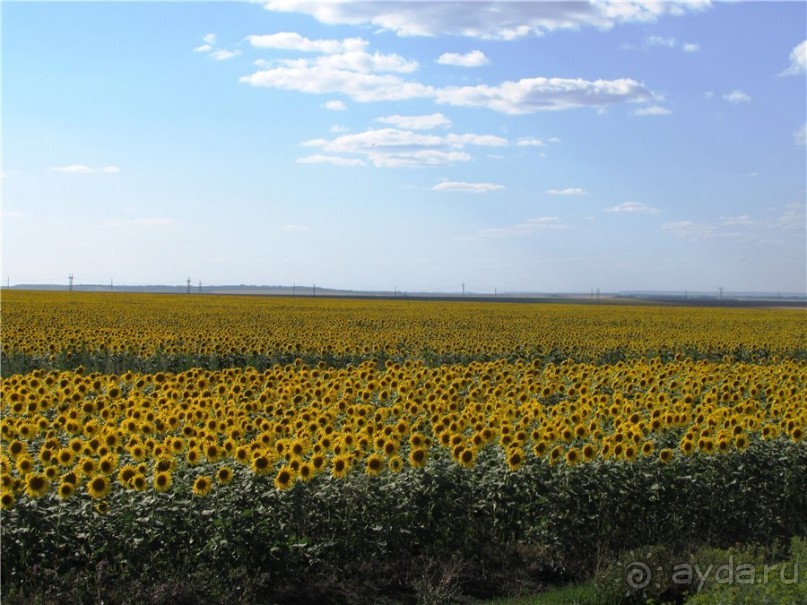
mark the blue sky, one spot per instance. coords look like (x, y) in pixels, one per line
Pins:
(530, 146)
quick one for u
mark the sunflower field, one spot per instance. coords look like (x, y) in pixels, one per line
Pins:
(164, 448)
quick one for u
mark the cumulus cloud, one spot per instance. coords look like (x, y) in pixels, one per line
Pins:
(545, 94)
(330, 159)
(223, 55)
(651, 42)
(82, 169)
(632, 208)
(496, 20)
(653, 110)
(475, 58)
(215, 53)
(467, 187)
(294, 41)
(798, 61)
(528, 227)
(335, 105)
(353, 76)
(567, 191)
(801, 135)
(425, 122)
(393, 147)
(736, 97)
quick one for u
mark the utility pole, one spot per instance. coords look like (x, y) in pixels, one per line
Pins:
(200, 286)
(189, 285)
(721, 294)
(110, 284)
(463, 289)
(314, 290)
(71, 282)
(598, 295)
(495, 293)
(294, 289)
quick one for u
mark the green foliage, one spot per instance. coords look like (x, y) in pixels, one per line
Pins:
(419, 534)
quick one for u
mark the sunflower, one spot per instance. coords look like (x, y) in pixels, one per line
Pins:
(284, 478)
(162, 481)
(572, 457)
(98, 487)
(418, 457)
(138, 482)
(224, 475)
(66, 490)
(395, 464)
(665, 455)
(741, 442)
(374, 465)
(125, 475)
(36, 485)
(589, 452)
(340, 466)
(25, 464)
(7, 500)
(515, 458)
(202, 485)
(261, 465)
(467, 457)
(305, 471)
(102, 507)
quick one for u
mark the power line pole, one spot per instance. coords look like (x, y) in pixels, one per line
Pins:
(71, 283)
(314, 290)
(189, 285)
(463, 289)
(110, 284)
(721, 294)
(200, 286)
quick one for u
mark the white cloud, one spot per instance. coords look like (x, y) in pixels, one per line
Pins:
(743, 219)
(798, 61)
(653, 110)
(294, 41)
(526, 228)
(392, 147)
(426, 122)
(737, 96)
(689, 47)
(545, 94)
(335, 105)
(500, 20)
(530, 142)
(467, 187)
(210, 38)
(632, 208)
(336, 129)
(690, 230)
(567, 191)
(82, 169)
(475, 58)
(319, 78)
(330, 159)
(203, 48)
(223, 55)
(801, 135)
(661, 41)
